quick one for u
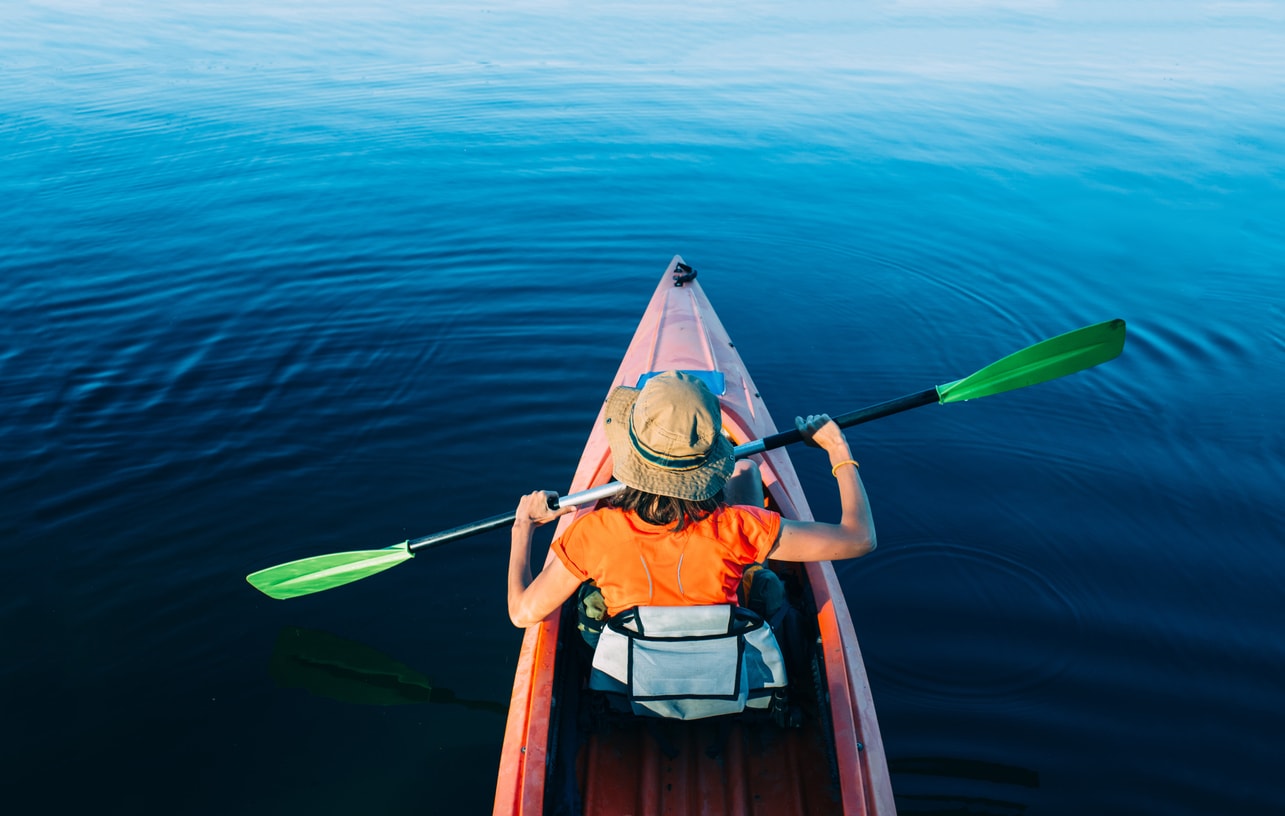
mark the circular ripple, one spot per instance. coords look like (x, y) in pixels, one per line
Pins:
(961, 622)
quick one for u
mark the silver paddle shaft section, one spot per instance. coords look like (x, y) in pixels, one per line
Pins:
(610, 489)
(589, 496)
(593, 494)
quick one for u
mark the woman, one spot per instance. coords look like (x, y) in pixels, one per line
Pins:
(677, 536)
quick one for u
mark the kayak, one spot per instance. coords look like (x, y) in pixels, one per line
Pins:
(556, 759)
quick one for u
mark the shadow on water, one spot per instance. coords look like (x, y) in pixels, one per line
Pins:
(963, 786)
(330, 666)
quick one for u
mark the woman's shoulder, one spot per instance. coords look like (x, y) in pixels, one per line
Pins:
(746, 532)
(745, 518)
(745, 512)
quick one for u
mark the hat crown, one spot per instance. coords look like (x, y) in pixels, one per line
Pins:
(666, 437)
(675, 421)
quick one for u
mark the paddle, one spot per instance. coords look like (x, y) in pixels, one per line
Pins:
(1044, 361)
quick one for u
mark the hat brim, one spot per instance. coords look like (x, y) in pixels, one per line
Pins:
(695, 484)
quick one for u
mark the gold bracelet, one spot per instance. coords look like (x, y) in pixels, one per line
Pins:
(834, 471)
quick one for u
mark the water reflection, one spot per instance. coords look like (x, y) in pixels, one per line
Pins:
(339, 669)
(951, 785)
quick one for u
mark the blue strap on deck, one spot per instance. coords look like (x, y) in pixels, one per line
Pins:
(714, 380)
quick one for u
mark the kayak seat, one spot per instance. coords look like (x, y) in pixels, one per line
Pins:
(689, 662)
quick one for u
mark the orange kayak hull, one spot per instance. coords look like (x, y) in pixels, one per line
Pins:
(835, 764)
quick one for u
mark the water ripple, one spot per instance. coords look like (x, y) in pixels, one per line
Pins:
(968, 601)
(307, 276)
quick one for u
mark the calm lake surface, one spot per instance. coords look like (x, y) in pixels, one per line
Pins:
(283, 278)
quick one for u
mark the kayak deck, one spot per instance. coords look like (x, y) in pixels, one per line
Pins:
(556, 758)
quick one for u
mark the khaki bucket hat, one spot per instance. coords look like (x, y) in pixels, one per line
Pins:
(667, 437)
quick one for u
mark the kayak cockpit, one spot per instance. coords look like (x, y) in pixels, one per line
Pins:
(777, 759)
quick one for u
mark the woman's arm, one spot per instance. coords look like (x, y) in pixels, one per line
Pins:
(531, 601)
(854, 535)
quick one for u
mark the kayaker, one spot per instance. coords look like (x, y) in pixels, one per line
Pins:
(691, 520)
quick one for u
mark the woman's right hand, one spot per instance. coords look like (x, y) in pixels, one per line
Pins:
(820, 431)
(533, 509)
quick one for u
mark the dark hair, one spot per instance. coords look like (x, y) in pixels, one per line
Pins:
(658, 510)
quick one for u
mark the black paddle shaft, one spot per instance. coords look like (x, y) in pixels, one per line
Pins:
(463, 531)
(883, 409)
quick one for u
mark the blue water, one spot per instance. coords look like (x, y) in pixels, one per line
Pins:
(284, 278)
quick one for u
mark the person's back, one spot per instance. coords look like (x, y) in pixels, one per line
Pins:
(659, 571)
(634, 563)
(668, 449)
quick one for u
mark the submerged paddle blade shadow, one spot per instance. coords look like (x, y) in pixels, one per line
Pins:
(345, 670)
(953, 785)
(352, 672)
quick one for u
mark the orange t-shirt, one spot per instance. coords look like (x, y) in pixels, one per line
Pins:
(639, 564)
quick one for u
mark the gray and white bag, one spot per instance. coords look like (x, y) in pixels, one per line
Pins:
(689, 662)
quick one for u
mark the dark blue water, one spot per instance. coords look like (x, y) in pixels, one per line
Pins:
(288, 278)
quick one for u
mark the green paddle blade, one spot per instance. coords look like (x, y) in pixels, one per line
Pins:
(1053, 358)
(309, 575)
